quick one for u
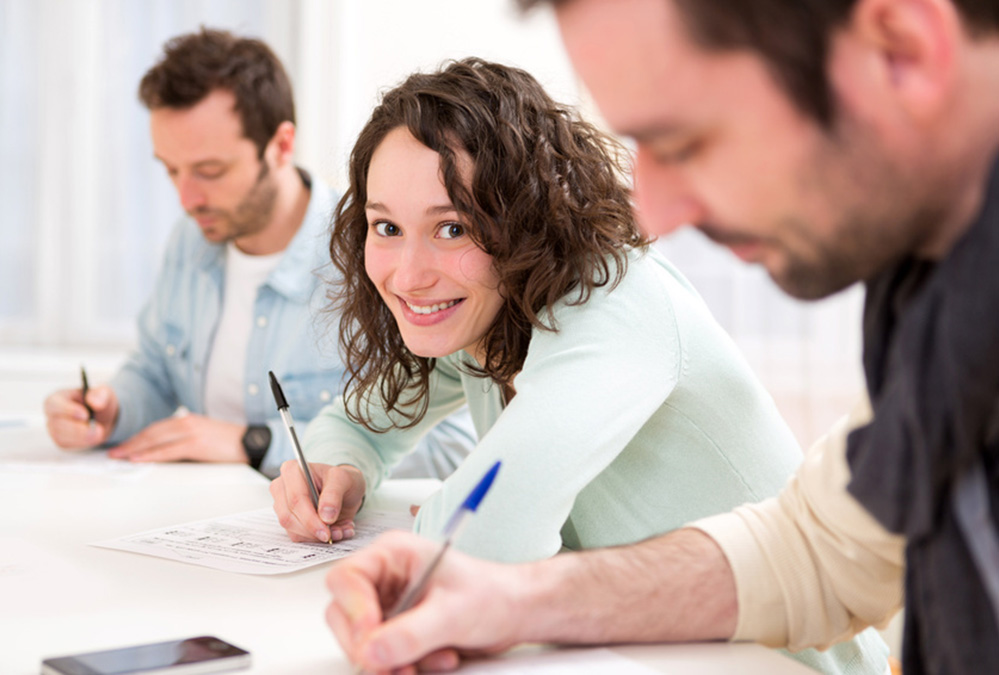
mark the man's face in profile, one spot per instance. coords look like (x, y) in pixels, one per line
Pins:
(721, 147)
(215, 168)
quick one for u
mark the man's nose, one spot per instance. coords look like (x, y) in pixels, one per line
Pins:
(190, 193)
(664, 199)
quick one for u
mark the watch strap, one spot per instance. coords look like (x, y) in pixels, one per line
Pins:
(256, 442)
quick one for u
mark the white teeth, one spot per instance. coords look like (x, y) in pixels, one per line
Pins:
(430, 309)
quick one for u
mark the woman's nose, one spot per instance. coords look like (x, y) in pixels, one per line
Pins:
(416, 267)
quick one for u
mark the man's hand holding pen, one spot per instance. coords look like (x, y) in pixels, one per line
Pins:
(368, 583)
(69, 422)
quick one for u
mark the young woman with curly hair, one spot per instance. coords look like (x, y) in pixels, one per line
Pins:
(490, 256)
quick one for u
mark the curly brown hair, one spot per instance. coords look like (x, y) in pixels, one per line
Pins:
(549, 202)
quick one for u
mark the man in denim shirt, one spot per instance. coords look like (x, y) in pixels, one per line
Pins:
(242, 286)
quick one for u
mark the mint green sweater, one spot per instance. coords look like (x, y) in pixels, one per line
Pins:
(636, 417)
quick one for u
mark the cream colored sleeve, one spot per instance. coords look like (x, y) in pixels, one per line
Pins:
(811, 566)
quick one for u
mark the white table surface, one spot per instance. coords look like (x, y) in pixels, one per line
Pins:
(58, 595)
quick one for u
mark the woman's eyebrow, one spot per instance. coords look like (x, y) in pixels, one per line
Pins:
(440, 209)
(431, 210)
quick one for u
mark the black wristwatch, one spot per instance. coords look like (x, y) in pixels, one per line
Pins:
(256, 440)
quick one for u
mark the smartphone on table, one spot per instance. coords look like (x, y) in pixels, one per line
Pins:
(204, 654)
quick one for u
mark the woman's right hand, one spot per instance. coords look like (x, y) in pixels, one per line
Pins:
(341, 492)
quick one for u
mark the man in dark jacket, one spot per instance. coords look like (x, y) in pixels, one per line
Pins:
(831, 142)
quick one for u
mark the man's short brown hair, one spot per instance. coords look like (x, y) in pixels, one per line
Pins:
(792, 37)
(195, 64)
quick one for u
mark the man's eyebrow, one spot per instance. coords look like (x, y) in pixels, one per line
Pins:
(201, 163)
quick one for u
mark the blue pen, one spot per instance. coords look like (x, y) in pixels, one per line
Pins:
(471, 503)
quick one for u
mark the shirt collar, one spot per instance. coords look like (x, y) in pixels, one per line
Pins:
(306, 254)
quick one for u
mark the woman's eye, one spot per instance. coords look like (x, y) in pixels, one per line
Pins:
(451, 230)
(386, 229)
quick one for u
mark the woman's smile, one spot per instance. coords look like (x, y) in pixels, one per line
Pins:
(424, 313)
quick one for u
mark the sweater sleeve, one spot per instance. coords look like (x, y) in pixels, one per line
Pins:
(333, 438)
(811, 566)
(442, 450)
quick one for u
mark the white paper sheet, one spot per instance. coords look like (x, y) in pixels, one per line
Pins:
(558, 662)
(29, 450)
(252, 542)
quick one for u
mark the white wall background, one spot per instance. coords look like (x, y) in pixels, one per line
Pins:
(86, 209)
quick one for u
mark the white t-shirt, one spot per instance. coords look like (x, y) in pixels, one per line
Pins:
(224, 379)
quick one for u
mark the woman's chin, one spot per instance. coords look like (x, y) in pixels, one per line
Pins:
(428, 352)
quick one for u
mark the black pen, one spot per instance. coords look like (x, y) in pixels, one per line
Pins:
(289, 424)
(85, 388)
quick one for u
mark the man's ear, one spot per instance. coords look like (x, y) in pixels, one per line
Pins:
(914, 47)
(284, 143)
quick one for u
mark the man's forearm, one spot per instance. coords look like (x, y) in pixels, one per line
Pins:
(673, 588)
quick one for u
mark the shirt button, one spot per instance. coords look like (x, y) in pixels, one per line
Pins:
(262, 321)
(325, 395)
(171, 350)
(253, 389)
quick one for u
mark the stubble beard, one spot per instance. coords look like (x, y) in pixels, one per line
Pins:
(881, 213)
(251, 216)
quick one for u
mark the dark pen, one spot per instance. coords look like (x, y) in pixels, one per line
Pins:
(289, 424)
(85, 388)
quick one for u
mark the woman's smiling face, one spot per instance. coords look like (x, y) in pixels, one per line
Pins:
(438, 284)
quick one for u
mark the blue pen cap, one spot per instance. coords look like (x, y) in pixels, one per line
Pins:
(471, 502)
(475, 496)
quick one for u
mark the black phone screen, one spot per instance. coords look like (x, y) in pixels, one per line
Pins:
(151, 657)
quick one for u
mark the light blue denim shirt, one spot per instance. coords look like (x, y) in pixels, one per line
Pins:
(293, 335)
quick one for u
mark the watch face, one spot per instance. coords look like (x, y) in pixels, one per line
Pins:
(257, 438)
